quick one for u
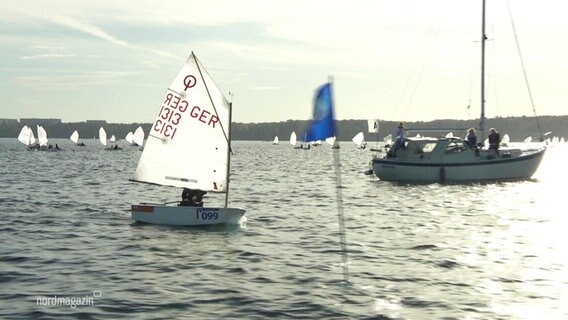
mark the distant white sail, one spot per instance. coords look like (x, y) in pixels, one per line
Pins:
(32, 138)
(24, 136)
(188, 143)
(505, 140)
(359, 139)
(450, 135)
(373, 126)
(330, 140)
(129, 137)
(528, 139)
(293, 138)
(74, 137)
(103, 136)
(138, 137)
(42, 136)
(112, 138)
(276, 141)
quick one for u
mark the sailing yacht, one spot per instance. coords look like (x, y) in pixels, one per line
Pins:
(429, 159)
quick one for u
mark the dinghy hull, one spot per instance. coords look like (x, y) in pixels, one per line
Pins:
(185, 216)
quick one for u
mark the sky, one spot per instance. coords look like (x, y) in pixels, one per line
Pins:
(403, 60)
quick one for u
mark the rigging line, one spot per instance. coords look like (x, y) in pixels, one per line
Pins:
(434, 32)
(209, 95)
(524, 70)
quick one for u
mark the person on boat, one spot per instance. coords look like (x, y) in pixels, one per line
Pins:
(56, 146)
(471, 140)
(494, 140)
(399, 140)
(192, 197)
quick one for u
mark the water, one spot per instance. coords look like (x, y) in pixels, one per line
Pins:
(477, 251)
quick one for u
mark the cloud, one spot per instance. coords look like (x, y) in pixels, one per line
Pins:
(66, 81)
(262, 88)
(47, 56)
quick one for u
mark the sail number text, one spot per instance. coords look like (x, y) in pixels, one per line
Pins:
(207, 214)
(173, 108)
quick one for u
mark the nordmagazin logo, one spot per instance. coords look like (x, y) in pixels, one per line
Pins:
(68, 301)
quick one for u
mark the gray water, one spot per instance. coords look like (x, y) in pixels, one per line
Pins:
(432, 251)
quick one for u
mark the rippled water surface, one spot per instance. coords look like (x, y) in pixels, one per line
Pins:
(476, 251)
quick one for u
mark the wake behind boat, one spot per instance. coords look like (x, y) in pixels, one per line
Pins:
(453, 159)
(188, 146)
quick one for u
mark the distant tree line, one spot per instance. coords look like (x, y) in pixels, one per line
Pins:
(518, 128)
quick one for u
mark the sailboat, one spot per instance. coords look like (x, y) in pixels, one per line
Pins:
(129, 137)
(42, 137)
(26, 137)
(359, 140)
(103, 136)
(138, 137)
(188, 146)
(276, 141)
(75, 138)
(333, 142)
(428, 159)
(294, 140)
(103, 140)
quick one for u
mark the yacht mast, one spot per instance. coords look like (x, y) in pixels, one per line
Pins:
(483, 38)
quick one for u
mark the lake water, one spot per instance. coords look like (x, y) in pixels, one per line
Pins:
(68, 248)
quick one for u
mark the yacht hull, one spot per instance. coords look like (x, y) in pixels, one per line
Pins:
(480, 169)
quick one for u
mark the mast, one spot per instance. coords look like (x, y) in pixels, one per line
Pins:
(483, 38)
(229, 150)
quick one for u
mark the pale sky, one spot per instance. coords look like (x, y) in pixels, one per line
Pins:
(410, 60)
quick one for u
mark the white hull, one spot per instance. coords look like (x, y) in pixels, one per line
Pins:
(185, 216)
(514, 168)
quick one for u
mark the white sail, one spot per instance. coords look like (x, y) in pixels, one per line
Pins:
(505, 140)
(293, 138)
(188, 143)
(276, 141)
(41, 136)
(103, 136)
(359, 139)
(112, 138)
(24, 136)
(138, 137)
(330, 140)
(528, 139)
(74, 137)
(373, 126)
(129, 137)
(32, 138)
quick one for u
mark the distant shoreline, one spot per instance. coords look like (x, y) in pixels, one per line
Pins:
(518, 128)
